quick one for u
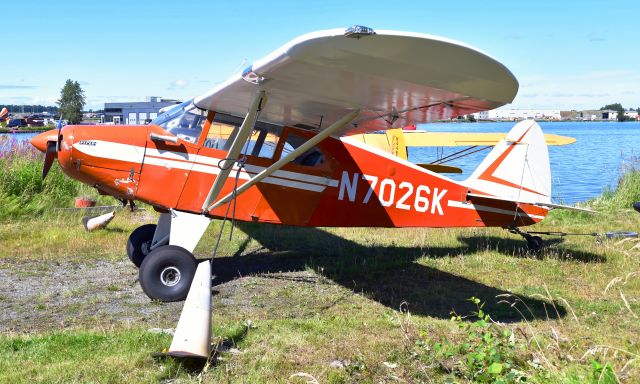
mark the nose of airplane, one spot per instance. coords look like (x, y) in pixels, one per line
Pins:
(40, 141)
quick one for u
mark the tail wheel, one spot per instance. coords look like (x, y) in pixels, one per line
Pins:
(166, 273)
(534, 243)
(139, 243)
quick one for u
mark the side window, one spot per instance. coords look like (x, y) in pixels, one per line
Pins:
(262, 142)
(220, 136)
(311, 158)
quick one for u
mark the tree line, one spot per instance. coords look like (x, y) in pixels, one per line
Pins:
(70, 104)
(13, 108)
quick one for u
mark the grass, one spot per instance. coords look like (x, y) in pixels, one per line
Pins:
(316, 296)
(352, 304)
(24, 193)
(105, 356)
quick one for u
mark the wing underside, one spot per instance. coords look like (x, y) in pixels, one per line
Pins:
(394, 78)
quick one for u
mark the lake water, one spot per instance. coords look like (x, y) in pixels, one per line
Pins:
(579, 171)
(20, 136)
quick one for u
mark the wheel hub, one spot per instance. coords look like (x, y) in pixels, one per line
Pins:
(170, 276)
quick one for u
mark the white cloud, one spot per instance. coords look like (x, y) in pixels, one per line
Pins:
(178, 84)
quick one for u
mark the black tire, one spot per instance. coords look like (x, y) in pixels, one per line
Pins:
(139, 243)
(535, 243)
(166, 273)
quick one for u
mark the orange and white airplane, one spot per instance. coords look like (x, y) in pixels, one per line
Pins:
(273, 144)
(4, 114)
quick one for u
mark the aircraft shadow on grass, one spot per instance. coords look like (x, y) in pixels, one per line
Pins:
(518, 248)
(389, 275)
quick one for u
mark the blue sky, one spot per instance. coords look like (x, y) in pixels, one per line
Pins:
(565, 54)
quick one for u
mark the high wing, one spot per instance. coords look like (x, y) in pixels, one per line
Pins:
(391, 77)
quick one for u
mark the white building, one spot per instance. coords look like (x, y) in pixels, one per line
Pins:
(136, 112)
(632, 114)
(518, 114)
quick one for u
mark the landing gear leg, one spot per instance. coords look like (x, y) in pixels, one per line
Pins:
(534, 243)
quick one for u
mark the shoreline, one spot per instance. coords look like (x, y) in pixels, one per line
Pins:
(4, 130)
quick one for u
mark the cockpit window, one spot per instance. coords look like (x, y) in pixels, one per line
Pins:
(184, 121)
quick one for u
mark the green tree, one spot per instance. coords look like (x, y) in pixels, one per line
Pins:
(71, 102)
(616, 107)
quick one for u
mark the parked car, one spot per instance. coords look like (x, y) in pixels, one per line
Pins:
(17, 123)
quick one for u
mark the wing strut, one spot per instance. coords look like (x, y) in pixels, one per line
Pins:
(290, 157)
(236, 147)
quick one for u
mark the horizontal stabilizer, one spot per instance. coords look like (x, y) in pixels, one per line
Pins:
(439, 168)
(471, 196)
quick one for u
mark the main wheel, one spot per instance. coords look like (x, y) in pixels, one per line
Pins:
(139, 243)
(166, 273)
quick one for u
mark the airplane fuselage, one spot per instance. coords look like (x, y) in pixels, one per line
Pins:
(346, 183)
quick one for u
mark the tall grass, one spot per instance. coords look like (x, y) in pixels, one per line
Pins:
(628, 190)
(22, 190)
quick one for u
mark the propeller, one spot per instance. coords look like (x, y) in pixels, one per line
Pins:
(59, 126)
(52, 151)
(49, 155)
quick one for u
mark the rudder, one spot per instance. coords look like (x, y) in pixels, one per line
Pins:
(517, 168)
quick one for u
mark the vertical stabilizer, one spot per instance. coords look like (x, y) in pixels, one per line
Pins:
(517, 168)
(395, 136)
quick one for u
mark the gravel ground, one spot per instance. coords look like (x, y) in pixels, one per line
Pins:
(45, 297)
(38, 297)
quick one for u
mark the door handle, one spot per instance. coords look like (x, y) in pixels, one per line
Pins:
(156, 137)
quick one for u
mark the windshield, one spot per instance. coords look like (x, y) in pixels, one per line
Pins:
(184, 121)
